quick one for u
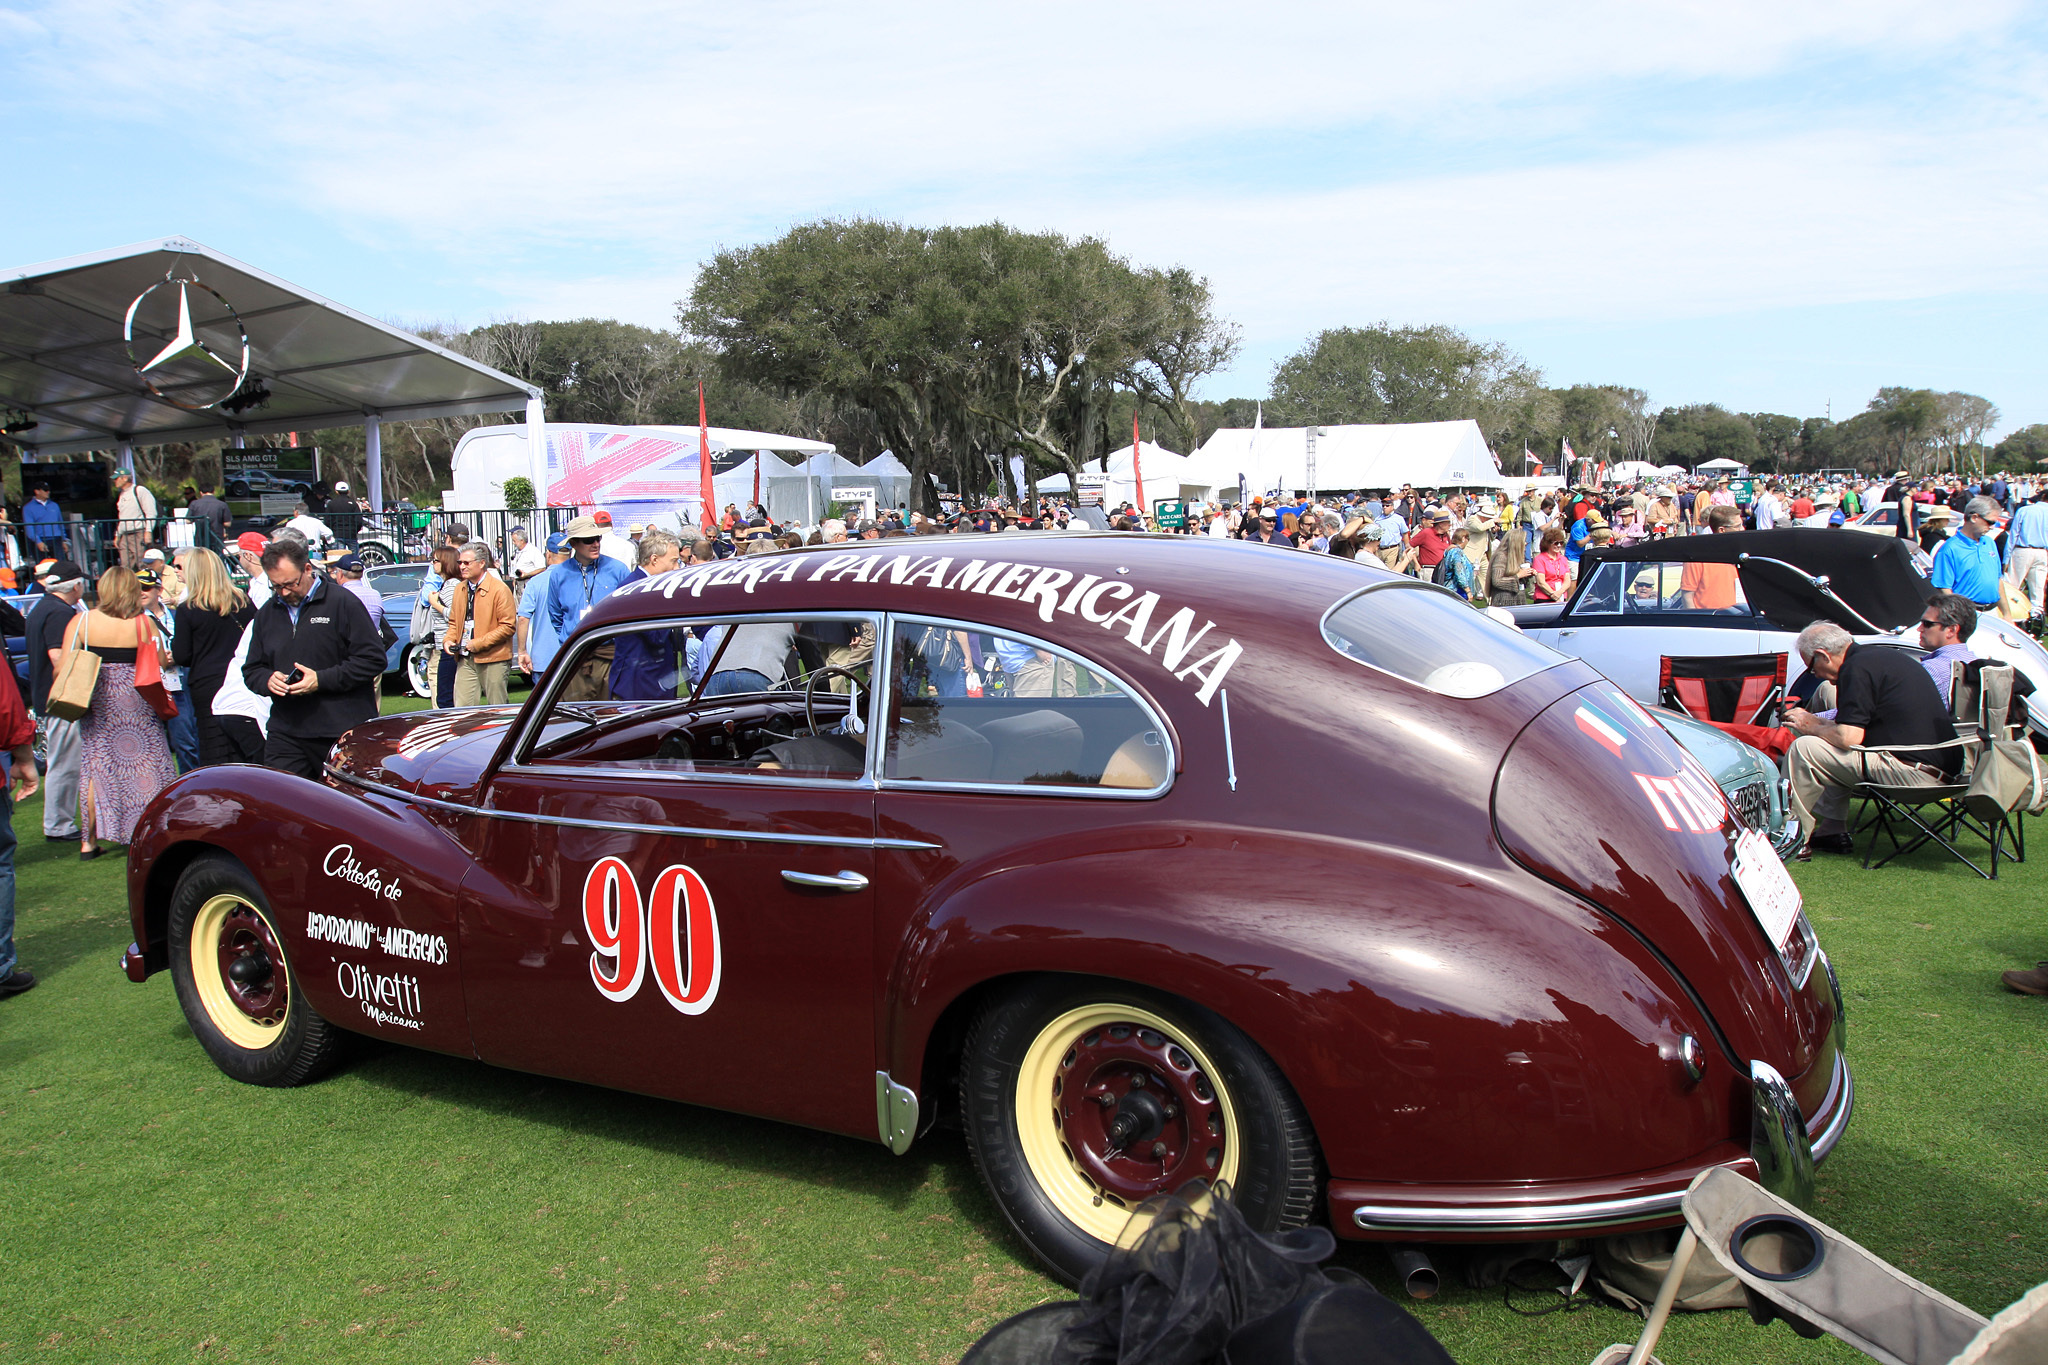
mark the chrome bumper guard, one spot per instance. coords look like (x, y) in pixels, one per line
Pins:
(1784, 1147)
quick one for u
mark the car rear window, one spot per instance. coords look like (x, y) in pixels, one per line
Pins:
(1427, 636)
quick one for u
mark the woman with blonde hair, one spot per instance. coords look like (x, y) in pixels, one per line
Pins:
(124, 758)
(210, 623)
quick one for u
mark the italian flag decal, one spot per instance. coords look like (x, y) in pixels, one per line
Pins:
(1602, 729)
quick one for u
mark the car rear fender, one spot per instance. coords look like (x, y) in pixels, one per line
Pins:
(1431, 1016)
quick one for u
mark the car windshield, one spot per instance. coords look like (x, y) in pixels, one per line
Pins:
(1428, 637)
(1662, 588)
(398, 578)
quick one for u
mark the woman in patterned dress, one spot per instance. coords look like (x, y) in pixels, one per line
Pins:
(125, 758)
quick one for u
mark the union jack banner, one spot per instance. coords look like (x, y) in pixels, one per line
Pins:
(587, 469)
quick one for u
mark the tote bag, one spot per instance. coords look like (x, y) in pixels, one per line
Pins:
(78, 672)
(149, 672)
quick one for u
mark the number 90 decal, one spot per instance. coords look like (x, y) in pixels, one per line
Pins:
(675, 933)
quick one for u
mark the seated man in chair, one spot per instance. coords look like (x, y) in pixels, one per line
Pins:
(1883, 697)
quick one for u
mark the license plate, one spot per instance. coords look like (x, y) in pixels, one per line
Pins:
(1772, 894)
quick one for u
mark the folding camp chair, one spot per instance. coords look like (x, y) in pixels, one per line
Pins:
(1723, 689)
(1795, 1267)
(1913, 815)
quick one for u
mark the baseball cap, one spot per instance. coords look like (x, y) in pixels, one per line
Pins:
(583, 528)
(601, 517)
(54, 571)
(558, 543)
(341, 485)
(157, 555)
(350, 563)
(251, 542)
(147, 579)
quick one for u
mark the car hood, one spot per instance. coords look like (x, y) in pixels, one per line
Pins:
(1595, 797)
(437, 754)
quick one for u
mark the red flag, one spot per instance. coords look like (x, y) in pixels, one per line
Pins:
(1137, 471)
(704, 489)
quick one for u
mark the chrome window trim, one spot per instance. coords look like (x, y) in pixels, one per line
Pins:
(1406, 584)
(860, 782)
(558, 678)
(683, 831)
(886, 688)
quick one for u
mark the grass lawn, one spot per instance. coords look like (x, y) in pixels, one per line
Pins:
(418, 1208)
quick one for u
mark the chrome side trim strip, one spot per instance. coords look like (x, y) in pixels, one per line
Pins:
(1506, 1218)
(683, 831)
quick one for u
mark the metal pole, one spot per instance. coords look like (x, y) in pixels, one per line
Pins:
(536, 449)
(373, 461)
(1667, 1294)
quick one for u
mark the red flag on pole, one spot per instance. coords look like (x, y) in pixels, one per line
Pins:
(704, 490)
(1137, 471)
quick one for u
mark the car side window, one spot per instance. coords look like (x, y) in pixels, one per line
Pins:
(986, 708)
(772, 698)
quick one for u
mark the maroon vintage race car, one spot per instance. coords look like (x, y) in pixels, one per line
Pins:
(1164, 858)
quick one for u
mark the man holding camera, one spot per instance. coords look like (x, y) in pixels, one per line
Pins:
(481, 615)
(315, 653)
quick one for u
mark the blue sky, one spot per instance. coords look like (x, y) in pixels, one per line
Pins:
(1775, 207)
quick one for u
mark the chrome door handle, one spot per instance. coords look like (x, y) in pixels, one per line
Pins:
(826, 881)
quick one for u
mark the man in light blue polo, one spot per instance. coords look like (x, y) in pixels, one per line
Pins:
(537, 641)
(1967, 562)
(2026, 551)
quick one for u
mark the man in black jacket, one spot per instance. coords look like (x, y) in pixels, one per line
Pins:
(314, 653)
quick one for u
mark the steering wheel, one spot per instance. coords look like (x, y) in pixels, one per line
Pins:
(811, 691)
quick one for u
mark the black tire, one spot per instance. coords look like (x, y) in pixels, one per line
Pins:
(261, 1031)
(237, 489)
(375, 553)
(1059, 1035)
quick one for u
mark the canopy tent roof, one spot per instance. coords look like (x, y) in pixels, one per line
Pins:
(1627, 471)
(1425, 454)
(64, 359)
(1721, 464)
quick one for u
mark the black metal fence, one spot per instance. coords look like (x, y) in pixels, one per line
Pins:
(398, 537)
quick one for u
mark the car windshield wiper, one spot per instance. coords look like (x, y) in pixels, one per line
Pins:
(1820, 582)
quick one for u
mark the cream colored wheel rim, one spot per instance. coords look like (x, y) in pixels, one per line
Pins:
(222, 924)
(1074, 1062)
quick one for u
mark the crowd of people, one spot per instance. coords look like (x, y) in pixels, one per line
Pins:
(270, 658)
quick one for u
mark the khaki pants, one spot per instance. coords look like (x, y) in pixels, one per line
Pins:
(1824, 776)
(132, 544)
(477, 683)
(2030, 567)
(1042, 677)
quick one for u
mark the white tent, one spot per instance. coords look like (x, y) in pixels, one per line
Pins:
(1425, 454)
(634, 472)
(803, 491)
(1672, 471)
(1631, 471)
(1729, 465)
(1169, 476)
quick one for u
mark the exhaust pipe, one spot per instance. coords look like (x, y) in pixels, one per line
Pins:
(1416, 1271)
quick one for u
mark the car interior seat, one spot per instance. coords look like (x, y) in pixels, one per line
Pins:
(1036, 746)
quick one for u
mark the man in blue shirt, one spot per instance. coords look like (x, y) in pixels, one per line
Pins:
(42, 521)
(1580, 538)
(2026, 550)
(1967, 562)
(587, 578)
(537, 639)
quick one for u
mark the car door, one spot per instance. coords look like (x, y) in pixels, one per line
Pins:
(665, 910)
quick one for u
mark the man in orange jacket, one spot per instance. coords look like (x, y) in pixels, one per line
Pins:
(481, 615)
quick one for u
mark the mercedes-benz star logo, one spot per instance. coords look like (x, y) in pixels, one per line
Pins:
(187, 369)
